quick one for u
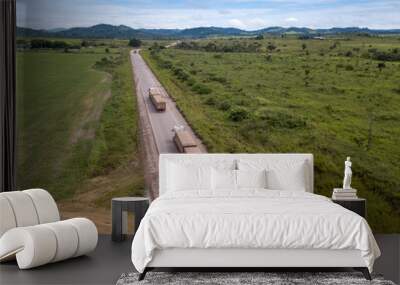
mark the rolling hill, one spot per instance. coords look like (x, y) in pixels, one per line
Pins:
(125, 32)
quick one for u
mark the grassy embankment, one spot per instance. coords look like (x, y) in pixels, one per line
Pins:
(327, 97)
(77, 125)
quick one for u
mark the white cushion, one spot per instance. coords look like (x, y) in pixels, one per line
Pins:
(46, 207)
(67, 240)
(23, 208)
(281, 174)
(290, 178)
(251, 178)
(33, 246)
(87, 233)
(188, 177)
(7, 218)
(223, 179)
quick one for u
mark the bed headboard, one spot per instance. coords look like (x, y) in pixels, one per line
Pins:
(215, 158)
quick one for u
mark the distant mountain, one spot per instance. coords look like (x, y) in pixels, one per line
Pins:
(56, 30)
(31, 33)
(205, 32)
(124, 32)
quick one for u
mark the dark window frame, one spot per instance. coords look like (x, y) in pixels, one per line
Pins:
(8, 95)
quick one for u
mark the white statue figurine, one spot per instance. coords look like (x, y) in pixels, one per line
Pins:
(347, 174)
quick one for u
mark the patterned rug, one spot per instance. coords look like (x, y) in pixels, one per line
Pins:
(243, 278)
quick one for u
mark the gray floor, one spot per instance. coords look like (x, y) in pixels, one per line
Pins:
(110, 260)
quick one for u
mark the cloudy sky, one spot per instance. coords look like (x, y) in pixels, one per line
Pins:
(244, 14)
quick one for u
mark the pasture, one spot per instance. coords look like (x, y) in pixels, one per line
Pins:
(77, 125)
(333, 98)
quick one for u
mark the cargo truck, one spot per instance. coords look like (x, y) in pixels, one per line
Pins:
(184, 141)
(157, 99)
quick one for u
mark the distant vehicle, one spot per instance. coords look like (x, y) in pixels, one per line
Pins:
(184, 141)
(157, 99)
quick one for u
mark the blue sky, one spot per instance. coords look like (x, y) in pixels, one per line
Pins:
(244, 14)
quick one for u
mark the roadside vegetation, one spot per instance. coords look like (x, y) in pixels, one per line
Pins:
(333, 97)
(77, 126)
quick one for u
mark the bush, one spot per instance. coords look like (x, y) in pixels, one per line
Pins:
(211, 101)
(271, 47)
(165, 64)
(381, 65)
(349, 67)
(224, 105)
(238, 114)
(180, 74)
(135, 42)
(214, 77)
(201, 89)
(349, 53)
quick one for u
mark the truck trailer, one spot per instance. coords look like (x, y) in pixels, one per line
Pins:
(185, 142)
(157, 99)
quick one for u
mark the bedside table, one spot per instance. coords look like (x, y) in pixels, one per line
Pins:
(120, 208)
(358, 206)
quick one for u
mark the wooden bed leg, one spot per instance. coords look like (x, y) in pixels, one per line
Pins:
(143, 274)
(364, 271)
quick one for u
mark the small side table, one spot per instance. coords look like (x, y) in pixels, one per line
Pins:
(120, 208)
(358, 206)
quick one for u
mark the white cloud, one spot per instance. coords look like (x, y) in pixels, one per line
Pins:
(291, 20)
(236, 23)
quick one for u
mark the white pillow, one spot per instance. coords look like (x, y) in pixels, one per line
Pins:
(185, 178)
(251, 178)
(223, 179)
(291, 178)
(281, 174)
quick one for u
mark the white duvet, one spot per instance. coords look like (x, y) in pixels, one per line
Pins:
(250, 219)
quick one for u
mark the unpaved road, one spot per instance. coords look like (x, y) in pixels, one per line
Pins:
(162, 123)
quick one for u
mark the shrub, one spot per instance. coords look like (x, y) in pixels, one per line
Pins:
(165, 64)
(271, 46)
(381, 65)
(385, 56)
(191, 82)
(135, 42)
(220, 79)
(224, 105)
(238, 114)
(201, 89)
(349, 67)
(349, 53)
(211, 101)
(180, 74)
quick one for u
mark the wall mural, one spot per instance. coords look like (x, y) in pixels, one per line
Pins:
(105, 86)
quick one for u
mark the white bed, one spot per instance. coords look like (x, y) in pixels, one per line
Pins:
(282, 224)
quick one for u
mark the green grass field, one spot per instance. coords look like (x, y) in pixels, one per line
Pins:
(327, 97)
(76, 121)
